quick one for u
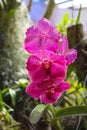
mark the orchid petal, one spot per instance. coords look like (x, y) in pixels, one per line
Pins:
(33, 90)
(42, 36)
(50, 98)
(63, 45)
(71, 56)
(35, 69)
(44, 25)
(58, 71)
(31, 42)
(63, 86)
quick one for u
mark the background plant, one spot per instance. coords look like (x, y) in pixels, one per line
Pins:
(66, 22)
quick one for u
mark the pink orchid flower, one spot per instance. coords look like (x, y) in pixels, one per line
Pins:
(45, 65)
(48, 91)
(43, 36)
(70, 54)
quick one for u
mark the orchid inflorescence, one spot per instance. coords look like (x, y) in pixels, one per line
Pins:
(47, 65)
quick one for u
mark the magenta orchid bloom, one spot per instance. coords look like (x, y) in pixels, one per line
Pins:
(48, 91)
(70, 54)
(45, 65)
(43, 36)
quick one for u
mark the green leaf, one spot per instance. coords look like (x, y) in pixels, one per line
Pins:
(79, 14)
(5, 1)
(22, 83)
(65, 19)
(1, 96)
(13, 96)
(72, 111)
(8, 117)
(37, 113)
(1, 101)
(2, 2)
(72, 21)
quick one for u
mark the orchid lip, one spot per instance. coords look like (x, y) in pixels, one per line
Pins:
(46, 64)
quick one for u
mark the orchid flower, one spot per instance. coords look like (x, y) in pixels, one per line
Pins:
(48, 91)
(43, 36)
(46, 64)
(70, 54)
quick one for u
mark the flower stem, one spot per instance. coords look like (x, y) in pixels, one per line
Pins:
(55, 123)
(58, 125)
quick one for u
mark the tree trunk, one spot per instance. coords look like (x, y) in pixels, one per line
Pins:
(29, 5)
(78, 40)
(49, 9)
(13, 24)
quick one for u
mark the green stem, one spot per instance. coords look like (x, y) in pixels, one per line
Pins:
(79, 14)
(51, 108)
(3, 103)
(55, 123)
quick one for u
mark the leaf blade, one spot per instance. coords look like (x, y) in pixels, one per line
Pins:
(72, 111)
(37, 113)
(13, 96)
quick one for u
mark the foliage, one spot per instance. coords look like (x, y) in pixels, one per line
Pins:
(62, 26)
(78, 17)
(7, 122)
(74, 104)
(37, 113)
(5, 109)
(66, 22)
(70, 105)
(6, 119)
(2, 2)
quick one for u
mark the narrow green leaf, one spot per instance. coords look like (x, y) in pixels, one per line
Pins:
(13, 96)
(72, 111)
(1, 4)
(65, 19)
(5, 90)
(1, 101)
(37, 113)
(6, 114)
(79, 14)
(1, 96)
(22, 83)
(5, 1)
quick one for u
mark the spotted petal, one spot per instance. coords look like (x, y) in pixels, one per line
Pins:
(33, 90)
(35, 69)
(58, 71)
(50, 98)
